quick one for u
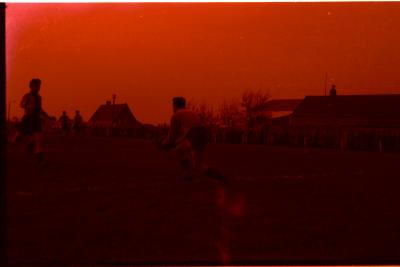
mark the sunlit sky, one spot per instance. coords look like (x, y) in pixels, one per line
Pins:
(146, 53)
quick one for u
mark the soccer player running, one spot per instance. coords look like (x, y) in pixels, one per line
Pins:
(189, 137)
(31, 123)
(77, 125)
(64, 121)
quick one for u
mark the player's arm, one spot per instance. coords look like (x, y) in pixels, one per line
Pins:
(47, 116)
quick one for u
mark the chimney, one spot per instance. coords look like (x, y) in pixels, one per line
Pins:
(114, 97)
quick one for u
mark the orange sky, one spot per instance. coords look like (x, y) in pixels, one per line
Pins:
(148, 53)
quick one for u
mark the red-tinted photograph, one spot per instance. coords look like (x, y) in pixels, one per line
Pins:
(203, 133)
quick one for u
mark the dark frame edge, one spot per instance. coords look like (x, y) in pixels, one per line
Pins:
(3, 141)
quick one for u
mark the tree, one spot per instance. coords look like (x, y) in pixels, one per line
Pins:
(204, 111)
(253, 103)
(229, 113)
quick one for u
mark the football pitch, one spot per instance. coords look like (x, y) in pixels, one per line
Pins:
(113, 201)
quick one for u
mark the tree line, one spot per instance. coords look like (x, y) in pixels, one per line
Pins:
(247, 111)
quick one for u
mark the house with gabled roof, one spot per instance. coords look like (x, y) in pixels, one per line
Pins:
(370, 111)
(113, 115)
(359, 121)
(118, 120)
(113, 119)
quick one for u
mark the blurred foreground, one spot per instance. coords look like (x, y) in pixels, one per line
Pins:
(116, 201)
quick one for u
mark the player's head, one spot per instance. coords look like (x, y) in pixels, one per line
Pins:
(178, 102)
(77, 112)
(64, 112)
(34, 85)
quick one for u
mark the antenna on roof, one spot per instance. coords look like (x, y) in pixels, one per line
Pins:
(326, 81)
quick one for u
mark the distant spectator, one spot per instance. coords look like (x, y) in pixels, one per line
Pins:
(77, 124)
(64, 123)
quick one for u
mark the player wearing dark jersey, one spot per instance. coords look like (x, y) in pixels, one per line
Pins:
(31, 123)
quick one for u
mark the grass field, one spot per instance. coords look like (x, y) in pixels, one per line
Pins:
(119, 200)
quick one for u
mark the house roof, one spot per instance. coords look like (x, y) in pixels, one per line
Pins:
(280, 105)
(351, 106)
(109, 112)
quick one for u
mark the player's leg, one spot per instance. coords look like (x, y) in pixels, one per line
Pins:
(38, 146)
(28, 125)
(198, 158)
(185, 155)
(207, 170)
(37, 135)
(22, 129)
(17, 137)
(199, 139)
(30, 144)
(211, 172)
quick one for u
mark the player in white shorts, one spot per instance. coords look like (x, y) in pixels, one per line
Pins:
(189, 138)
